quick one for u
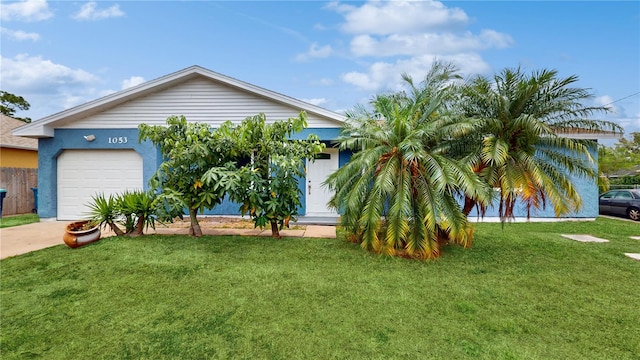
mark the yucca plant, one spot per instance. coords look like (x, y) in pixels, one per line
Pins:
(138, 211)
(105, 212)
(134, 210)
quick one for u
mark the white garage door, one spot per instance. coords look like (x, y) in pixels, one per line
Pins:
(84, 173)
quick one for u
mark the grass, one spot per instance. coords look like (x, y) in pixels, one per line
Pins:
(16, 220)
(519, 293)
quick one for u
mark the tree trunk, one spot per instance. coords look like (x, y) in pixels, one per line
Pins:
(275, 232)
(115, 229)
(469, 204)
(138, 228)
(194, 229)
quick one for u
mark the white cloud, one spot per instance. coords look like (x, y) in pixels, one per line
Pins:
(606, 100)
(410, 35)
(19, 35)
(34, 74)
(132, 81)
(28, 10)
(315, 51)
(423, 43)
(47, 86)
(399, 17)
(315, 101)
(624, 113)
(387, 76)
(89, 11)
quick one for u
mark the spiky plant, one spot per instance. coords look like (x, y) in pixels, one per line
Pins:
(519, 149)
(397, 193)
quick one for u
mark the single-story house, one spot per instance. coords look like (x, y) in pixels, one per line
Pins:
(18, 168)
(94, 147)
(634, 171)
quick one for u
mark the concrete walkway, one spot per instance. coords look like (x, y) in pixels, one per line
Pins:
(22, 239)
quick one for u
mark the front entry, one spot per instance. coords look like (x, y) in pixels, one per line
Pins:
(317, 172)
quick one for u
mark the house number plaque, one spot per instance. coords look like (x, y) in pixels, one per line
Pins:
(118, 140)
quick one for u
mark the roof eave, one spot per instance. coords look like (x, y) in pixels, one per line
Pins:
(591, 135)
(45, 127)
(35, 132)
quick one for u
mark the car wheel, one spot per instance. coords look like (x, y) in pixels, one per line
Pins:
(634, 214)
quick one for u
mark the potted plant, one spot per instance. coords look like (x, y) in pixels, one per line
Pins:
(80, 233)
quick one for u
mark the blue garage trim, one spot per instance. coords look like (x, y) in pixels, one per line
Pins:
(73, 139)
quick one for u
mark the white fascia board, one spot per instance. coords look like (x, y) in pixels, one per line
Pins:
(34, 131)
(591, 136)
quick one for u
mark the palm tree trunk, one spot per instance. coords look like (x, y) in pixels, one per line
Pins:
(469, 204)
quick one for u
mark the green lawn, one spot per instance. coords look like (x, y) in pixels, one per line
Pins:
(519, 293)
(15, 220)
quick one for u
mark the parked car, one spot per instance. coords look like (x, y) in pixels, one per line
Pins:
(624, 202)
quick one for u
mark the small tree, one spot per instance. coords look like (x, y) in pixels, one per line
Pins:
(269, 190)
(189, 150)
(9, 102)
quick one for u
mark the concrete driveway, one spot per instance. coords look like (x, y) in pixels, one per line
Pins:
(22, 239)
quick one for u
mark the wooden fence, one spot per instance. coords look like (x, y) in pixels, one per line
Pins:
(18, 183)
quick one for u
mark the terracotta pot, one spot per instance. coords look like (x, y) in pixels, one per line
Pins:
(75, 237)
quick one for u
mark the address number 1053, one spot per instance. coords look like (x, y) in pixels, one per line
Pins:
(118, 140)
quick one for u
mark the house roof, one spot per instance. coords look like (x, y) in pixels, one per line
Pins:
(588, 134)
(7, 140)
(627, 172)
(44, 127)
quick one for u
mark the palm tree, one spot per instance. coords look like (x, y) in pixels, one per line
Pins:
(518, 152)
(397, 193)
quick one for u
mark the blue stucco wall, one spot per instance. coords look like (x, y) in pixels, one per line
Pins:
(228, 207)
(50, 148)
(586, 187)
(66, 139)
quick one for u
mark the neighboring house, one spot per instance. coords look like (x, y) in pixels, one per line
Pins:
(18, 168)
(94, 147)
(634, 171)
(15, 151)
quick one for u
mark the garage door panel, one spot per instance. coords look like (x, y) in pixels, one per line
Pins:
(84, 173)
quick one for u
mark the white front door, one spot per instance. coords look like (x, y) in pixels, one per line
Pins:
(317, 172)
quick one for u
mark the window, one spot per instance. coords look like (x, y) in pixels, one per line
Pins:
(624, 195)
(609, 195)
(322, 156)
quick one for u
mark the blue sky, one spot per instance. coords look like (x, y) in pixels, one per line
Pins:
(59, 54)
